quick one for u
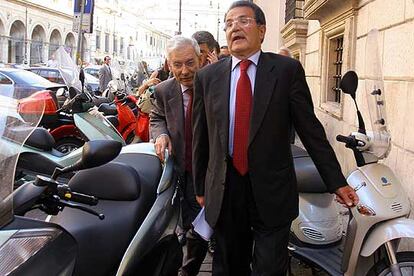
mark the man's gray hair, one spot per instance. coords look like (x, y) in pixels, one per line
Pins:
(180, 41)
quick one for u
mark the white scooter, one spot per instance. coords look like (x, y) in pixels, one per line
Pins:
(379, 221)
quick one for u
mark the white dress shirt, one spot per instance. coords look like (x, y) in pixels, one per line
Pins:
(235, 74)
(186, 98)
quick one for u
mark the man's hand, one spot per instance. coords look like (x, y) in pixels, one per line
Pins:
(347, 196)
(212, 57)
(163, 142)
(200, 200)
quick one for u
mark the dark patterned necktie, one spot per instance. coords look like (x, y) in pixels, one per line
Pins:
(242, 119)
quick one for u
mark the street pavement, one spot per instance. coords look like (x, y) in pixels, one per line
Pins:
(298, 269)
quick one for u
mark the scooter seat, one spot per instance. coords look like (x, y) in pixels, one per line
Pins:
(298, 151)
(108, 109)
(41, 139)
(112, 181)
(113, 120)
(103, 243)
(307, 176)
(97, 100)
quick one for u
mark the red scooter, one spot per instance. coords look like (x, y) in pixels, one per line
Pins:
(60, 121)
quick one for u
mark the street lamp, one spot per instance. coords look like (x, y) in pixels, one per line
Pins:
(179, 17)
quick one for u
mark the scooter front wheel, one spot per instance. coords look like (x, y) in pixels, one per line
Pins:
(405, 261)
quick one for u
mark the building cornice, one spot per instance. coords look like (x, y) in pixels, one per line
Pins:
(41, 8)
(325, 10)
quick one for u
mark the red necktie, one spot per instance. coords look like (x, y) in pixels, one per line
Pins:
(188, 132)
(242, 119)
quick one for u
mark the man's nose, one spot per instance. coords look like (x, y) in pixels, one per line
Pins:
(185, 69)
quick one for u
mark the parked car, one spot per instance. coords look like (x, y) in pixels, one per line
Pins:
(55, 75)
(93, 70)
(25, 82)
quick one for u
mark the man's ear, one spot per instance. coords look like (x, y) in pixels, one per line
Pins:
(262, 32)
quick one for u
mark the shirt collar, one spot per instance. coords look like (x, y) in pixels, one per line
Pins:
(253, 58)
(183, 88)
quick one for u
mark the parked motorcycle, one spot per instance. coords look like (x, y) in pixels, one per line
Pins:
(380, 220)
(141, 241)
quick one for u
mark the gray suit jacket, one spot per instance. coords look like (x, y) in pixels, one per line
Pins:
(105, 77)
(167, 117)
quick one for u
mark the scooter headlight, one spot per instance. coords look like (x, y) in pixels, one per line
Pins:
(365, 210)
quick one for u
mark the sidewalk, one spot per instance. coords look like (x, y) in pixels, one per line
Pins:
(298, 269)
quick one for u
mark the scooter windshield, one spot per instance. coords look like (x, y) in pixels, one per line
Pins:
(15, 128)
(68, 68)
(374, 93)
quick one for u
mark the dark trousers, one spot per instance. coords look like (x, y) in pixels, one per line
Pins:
(196, 246)
(244, 245)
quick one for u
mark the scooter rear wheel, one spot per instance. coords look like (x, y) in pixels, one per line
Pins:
(68, 144)
(405, 260)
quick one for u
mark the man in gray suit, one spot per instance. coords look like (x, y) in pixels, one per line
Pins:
(105, 74)
(170, 126)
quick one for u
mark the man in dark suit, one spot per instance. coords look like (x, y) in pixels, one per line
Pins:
(105, 74)
(170, 126)
(242, 162)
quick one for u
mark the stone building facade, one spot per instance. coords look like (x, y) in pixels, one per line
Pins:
(31, 30)
(329, 37)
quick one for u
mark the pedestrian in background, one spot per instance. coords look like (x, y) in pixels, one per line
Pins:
(224, 52)
(207, 45)
(105, 74)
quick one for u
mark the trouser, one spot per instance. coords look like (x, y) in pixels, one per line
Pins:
(196, 247)
(244, 245)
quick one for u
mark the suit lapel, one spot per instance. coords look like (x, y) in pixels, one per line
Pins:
(176, 107)
(220, 89)
(266, 79)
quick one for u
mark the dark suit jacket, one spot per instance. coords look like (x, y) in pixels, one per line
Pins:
(281, 97)
(167, 117)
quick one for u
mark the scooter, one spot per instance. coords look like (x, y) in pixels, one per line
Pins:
(379, 221)
(38, 154)
(141, 241)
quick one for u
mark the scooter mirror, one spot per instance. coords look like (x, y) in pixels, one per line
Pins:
(349, 83)
(99, 152)
(72, 92)
(94, 154)
(60, 92)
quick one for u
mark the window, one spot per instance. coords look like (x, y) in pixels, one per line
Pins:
(5, 80)
(52, 75)
(334, 69)
(98, 40)
(336, 47)
(107, 42)
(115, 44)
(121, 46)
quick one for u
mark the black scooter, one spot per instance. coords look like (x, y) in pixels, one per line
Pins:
(120, 217)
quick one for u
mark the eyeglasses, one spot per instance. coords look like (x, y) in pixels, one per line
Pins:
(179, 65)
(241, 21)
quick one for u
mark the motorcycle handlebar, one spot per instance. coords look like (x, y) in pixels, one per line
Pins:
(349, 141)
(85, 199)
